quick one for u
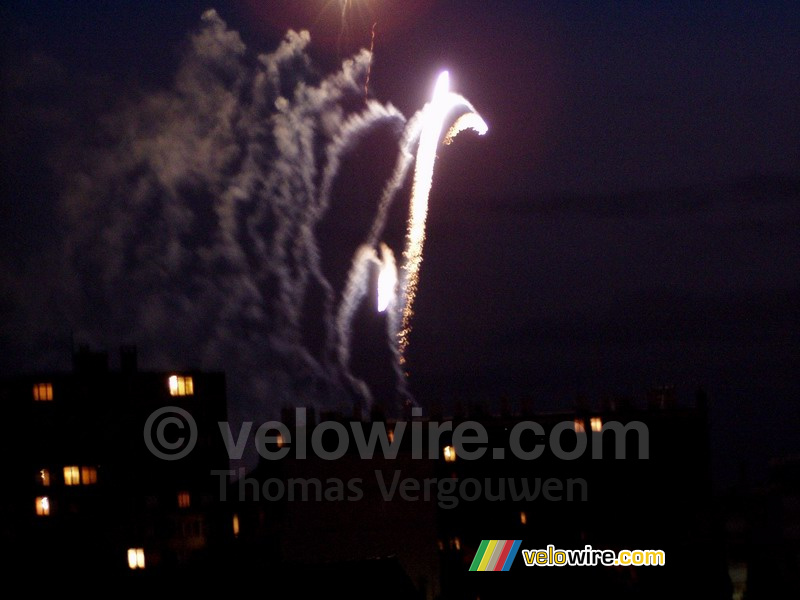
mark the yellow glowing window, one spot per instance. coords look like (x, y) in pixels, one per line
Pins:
(184, 500)
(43, 477)
(391, 436)
(457, 543)
(235, 525)
(72, 476)
(88, 475)
(181, 386)
(523, 518)
(136, 558)
(449, 454)
(579, 426)
(596, 423)
(42, 506)
(42, 392)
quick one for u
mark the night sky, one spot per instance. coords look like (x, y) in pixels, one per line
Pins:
(630, 219)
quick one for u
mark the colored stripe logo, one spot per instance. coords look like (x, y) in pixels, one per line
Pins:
(495, 555)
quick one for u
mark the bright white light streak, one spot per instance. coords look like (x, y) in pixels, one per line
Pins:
(434, 113)
(387, 278)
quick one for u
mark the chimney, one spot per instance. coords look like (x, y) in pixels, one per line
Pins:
(85, 360)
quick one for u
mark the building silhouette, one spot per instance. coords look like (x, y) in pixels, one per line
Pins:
(615, 495)
(87, 495)
(762, 526)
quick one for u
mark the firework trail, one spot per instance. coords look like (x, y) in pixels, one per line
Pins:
(434, 113)
(355, 290)
(424, 130)
(357, 277)
(365, 262)
(351, 133)
(191, 220)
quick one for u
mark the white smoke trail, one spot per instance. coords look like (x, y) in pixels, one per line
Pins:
(405, 158)
(355, 286)
(355, 290)
(352, 132)
(193, 219)
(204, 202)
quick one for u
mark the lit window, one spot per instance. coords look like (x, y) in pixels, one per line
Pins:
(579, 426)
(88, 475)
(391, 436)
(279, 440)
(235, 525)
(449, 454)
(72, 476)
(43, 477)
(181, 386)
(596, 423)
(523, 518)
(457, 543)
(184, 500)
(42, 392)
(42, 506)
(136, 558)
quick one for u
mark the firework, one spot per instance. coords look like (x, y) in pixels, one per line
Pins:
(433, 117)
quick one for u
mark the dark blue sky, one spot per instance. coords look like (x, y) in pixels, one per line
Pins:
(630, 220)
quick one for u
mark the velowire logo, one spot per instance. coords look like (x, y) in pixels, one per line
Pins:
(495, 555)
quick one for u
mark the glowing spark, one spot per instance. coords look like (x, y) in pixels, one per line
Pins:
(434, 113)
(387, 278)
(469, 120)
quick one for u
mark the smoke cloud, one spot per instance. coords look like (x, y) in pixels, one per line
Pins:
(191, 216)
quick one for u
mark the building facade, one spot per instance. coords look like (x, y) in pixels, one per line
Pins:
(85, 490)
